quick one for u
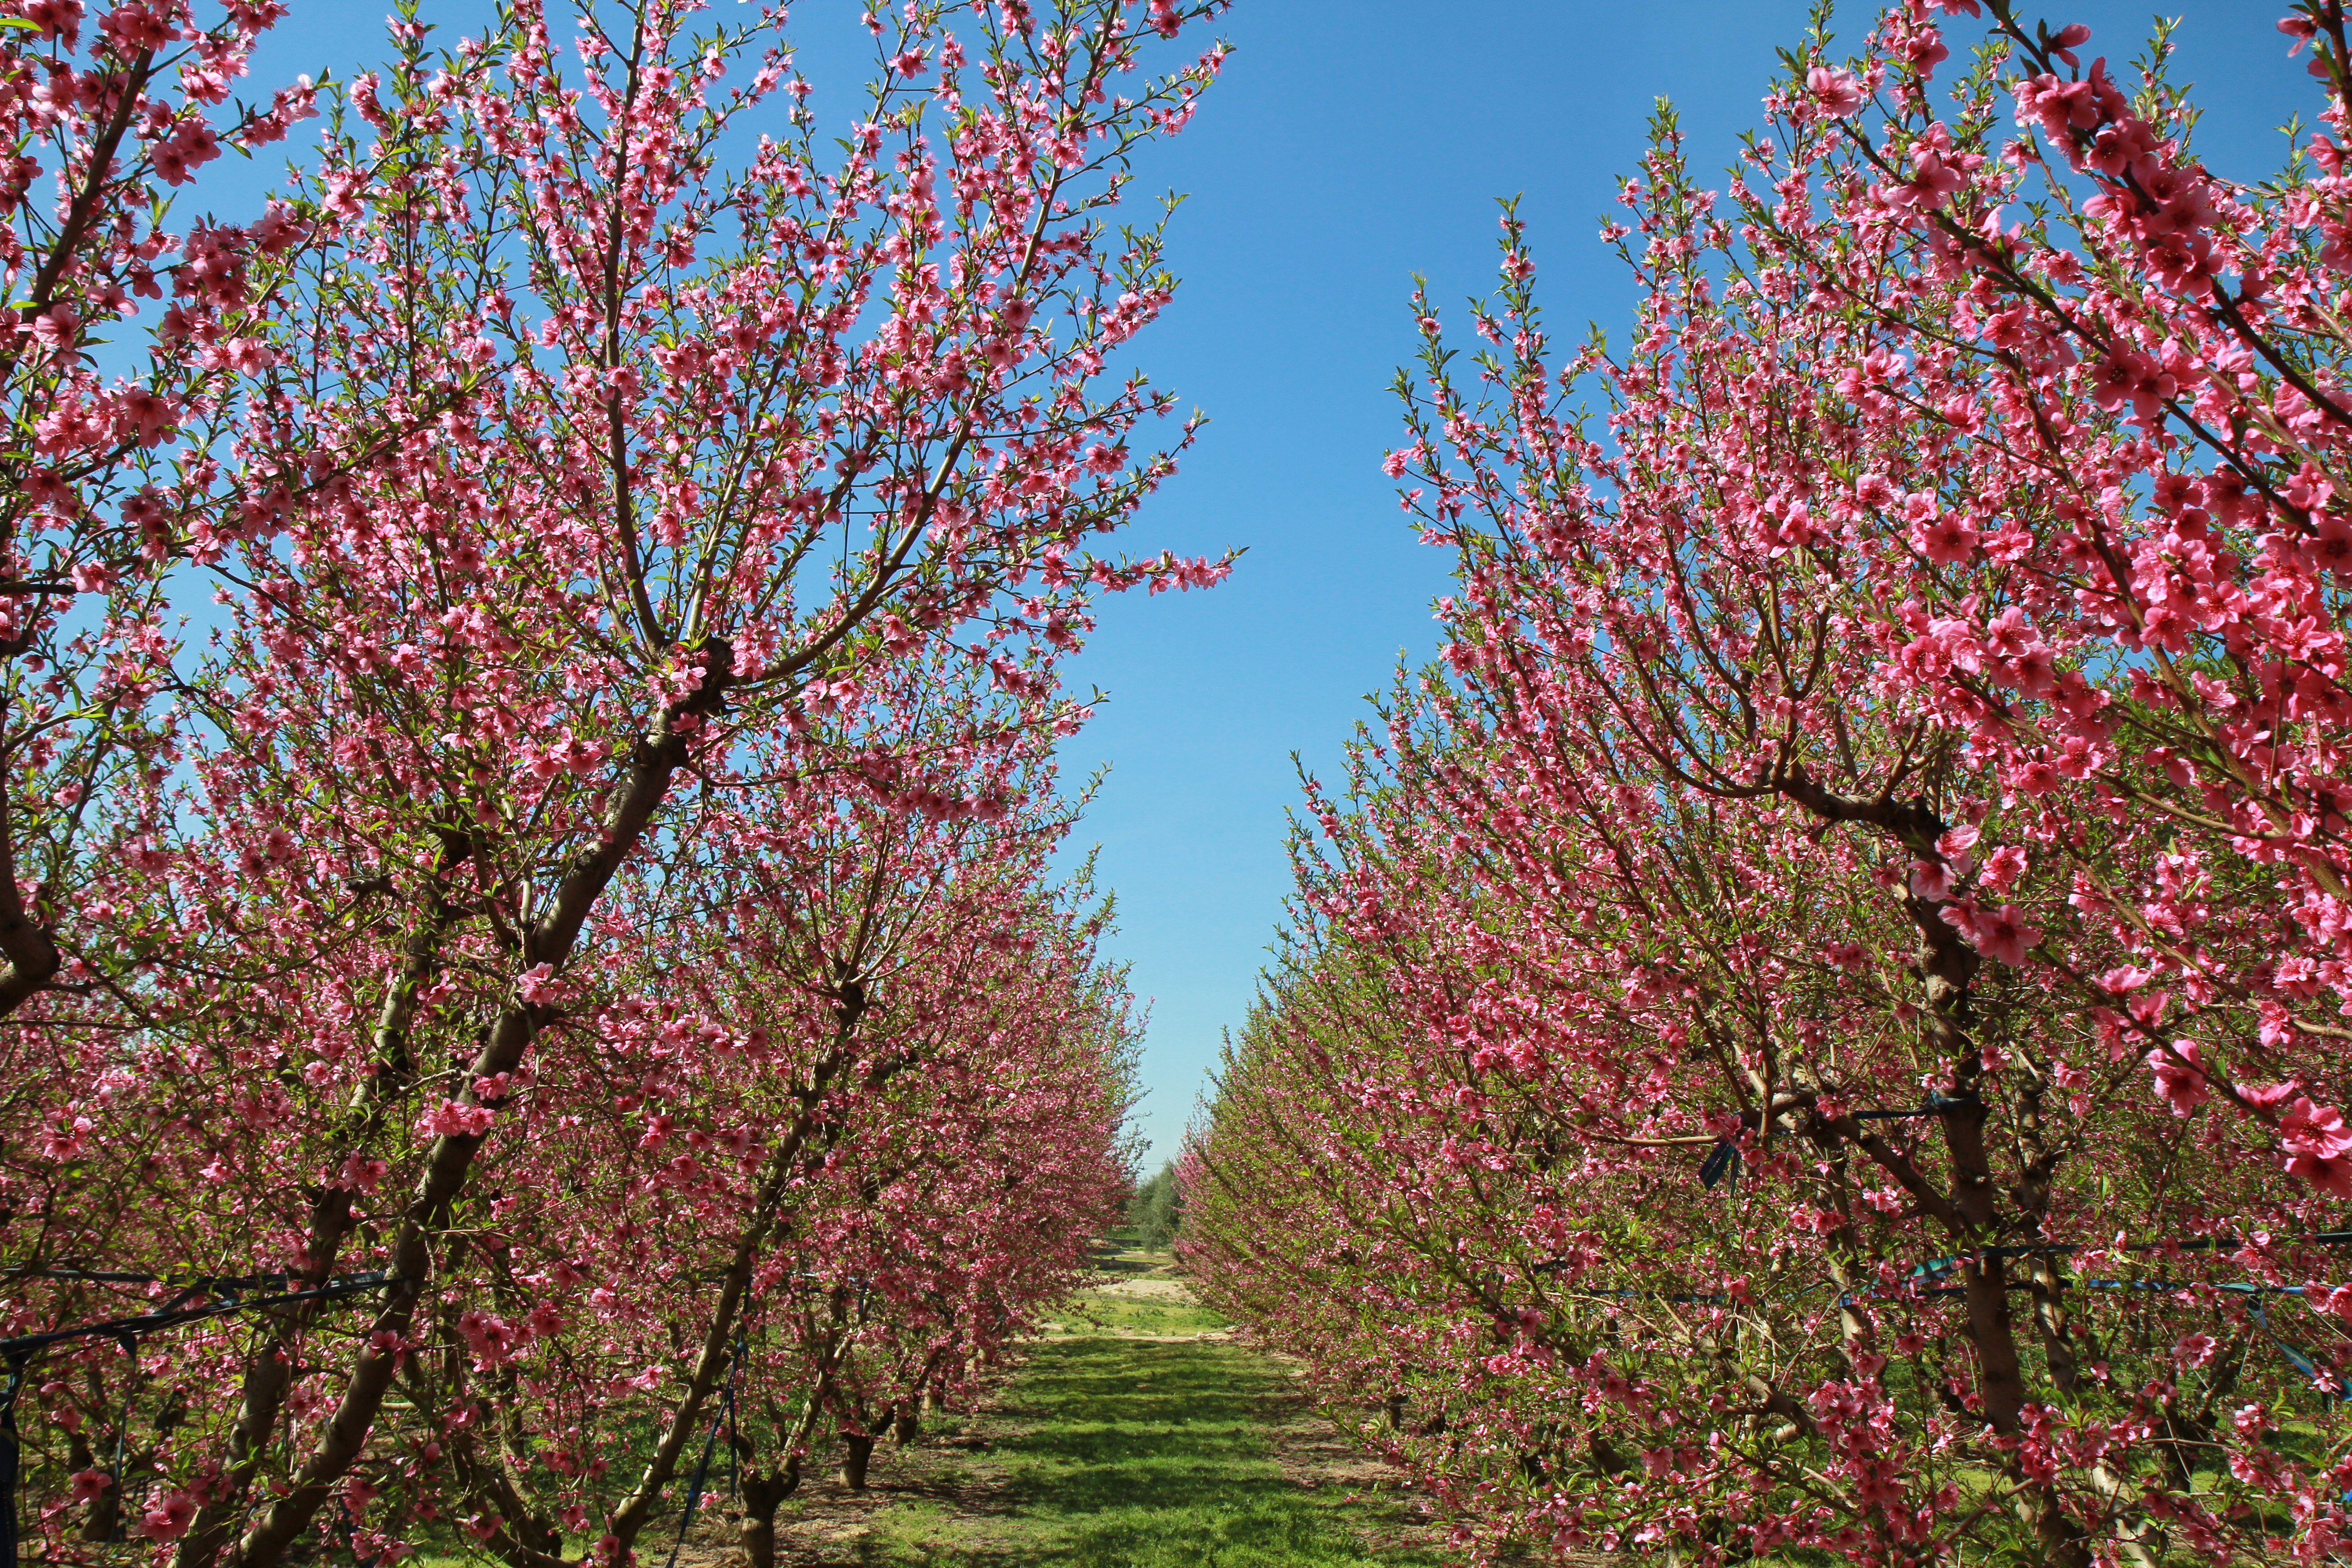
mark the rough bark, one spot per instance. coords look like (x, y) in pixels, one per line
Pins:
(1948, 967)
(102, 1521)
(25, 942)
(762, 1495)
(857, 1450)
(764, 1492)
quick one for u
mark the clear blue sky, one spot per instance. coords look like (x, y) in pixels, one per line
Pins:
(1350, 144)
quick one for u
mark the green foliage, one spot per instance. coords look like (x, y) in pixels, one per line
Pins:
(1157, 1211)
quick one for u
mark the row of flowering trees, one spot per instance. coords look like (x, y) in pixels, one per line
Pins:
(1818, 1028)
(562, 968)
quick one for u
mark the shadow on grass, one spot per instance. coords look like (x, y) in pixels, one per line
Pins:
(1112, 1259)
(1121, 1454)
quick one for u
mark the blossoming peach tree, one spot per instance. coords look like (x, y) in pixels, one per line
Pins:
(1824, 1013)
(673, 503)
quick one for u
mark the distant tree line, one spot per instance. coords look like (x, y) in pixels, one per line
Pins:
(1155, 1210)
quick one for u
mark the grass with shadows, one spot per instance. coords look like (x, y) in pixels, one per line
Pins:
(1119, 1453)
(1099, 1311)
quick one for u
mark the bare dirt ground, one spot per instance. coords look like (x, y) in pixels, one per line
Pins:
(1148, 1287)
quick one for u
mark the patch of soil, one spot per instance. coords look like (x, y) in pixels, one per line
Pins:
(1150, 1287)
(951, 1471)
(1315, 1451)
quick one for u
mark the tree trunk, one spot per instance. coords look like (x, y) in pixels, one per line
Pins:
(762, 1494)
(31, 955)
(908, 1425)
(855, 1450)
(448, 1166)
(103, 1520)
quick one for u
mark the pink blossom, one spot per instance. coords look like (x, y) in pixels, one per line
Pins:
(2317, 1143)
(2266, 1097)
(1837, 91)
(2004, 936)
(2002, 867)
(170, 1517)
(454, 1119)
(1947, 539)
(2180, 1079)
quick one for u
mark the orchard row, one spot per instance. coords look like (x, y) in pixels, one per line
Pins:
(1818, 1030)
(534, 965)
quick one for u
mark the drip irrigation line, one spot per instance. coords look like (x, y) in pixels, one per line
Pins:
(1936, 1267)
(2169, 1287)
(2167, 1243)
(2332, 1385)
(24, 1349)
(724, 1415)
(1936, 1105)
(1852, 1299)
(2336, 1386)
(734, 1443)
(174, 1314)
(8, 1460)
(207, 1284)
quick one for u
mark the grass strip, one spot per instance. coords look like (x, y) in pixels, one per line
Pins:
(1120, 1453)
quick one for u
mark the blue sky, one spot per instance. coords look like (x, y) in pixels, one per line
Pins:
(1350, 144)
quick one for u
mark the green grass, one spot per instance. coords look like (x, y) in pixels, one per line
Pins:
(1092, 1311)
(1116, 1453)
(1104, 1308)
(1113, 1449)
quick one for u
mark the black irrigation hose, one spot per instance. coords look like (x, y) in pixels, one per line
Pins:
(22, 1350)
(8, 1462)
(207, 1284)
(26, 1346)
(2333, 1386)
(724, 1415)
